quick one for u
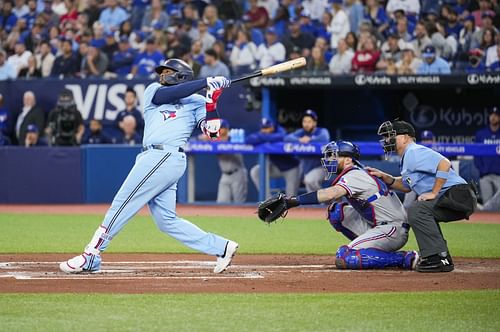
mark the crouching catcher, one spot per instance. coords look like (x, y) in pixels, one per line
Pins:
(363, 209)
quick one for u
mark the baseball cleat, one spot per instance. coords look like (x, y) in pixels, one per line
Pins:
(81, 263)
(435, 263)
(410, 260)
(223, 262)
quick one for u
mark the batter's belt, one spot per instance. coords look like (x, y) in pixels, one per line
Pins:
(161, 147)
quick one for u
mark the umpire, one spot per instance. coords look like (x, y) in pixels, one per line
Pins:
(443, 195)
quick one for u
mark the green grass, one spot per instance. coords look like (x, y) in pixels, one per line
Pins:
(436, 311)
(60, 234)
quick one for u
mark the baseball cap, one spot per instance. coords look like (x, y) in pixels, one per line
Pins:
(495, 110)
(150, 40)
(487, 14)
(476, 52)
(426, 135)
(470, 18)
(429, 51)
(32, 128)
(266, 123)
(312, 114)
(403, 127)
(271, 30)
(123, 39)
(408, 47)
(224, 124)
(110, 34)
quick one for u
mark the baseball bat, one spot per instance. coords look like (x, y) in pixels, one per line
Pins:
(279, 68)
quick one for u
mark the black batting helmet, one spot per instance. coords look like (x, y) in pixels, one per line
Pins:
(183, 71)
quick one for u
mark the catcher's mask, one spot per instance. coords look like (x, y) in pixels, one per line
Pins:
(182, 72)
(389, 130)
(333, 150)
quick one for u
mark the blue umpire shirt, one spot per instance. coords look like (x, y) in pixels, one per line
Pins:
(418, 169)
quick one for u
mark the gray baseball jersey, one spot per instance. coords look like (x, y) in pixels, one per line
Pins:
(233, 183)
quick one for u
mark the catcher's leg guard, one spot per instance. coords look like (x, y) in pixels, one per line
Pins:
(370, 258)
(336, 216)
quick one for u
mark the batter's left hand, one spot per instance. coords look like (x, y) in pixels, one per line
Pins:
(427, 196)
(211, 128)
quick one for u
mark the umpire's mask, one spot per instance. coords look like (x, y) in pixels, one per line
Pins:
(388, 142)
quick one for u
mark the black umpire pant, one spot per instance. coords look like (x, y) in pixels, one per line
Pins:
(457, 203)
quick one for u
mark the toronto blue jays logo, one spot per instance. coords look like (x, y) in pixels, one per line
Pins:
(168, 114)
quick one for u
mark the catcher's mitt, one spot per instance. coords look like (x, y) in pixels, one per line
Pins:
(275, 207)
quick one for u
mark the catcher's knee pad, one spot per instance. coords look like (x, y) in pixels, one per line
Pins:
(368, 258)
(336, 216)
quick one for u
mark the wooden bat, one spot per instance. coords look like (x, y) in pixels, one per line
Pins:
(279, 68)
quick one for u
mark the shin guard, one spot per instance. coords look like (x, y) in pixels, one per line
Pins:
(368, 258)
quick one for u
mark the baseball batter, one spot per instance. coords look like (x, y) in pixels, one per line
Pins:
(365, 211)
(172, 109)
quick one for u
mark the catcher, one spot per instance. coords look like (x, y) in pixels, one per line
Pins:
(363, 209)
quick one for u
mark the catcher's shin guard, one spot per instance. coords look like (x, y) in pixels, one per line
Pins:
(370, 258)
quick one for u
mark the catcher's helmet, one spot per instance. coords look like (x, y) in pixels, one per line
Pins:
(333, 150)
(183, 71)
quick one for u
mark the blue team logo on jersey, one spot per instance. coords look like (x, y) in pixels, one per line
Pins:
(168, 115)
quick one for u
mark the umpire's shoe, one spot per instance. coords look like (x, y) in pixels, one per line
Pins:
(223, 262)
(435, 263)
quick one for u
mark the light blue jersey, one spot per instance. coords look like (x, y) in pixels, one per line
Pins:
(171, 124)
(418, 169)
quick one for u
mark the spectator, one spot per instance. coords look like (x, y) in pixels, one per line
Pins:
(71, 15)
(476, 62)
(59, 7)
(93, 11)
(131, 109)
(433, 64)
(112, 16)
(65, 65)
(443, 47)
(20, 9)
(352, 41)
(421, 40)
(323, 46)
(493, 57)
(30, 17)
(411, 7)
(488, 39)
(145, 62)
(129, 133)
(155, 16)
(489, 167)
(19, 60)
(45, 59)
(214, 24)
(196, 52)
(95, 135)
(272, 51)
(392, 46)
(316, 63)
(487, 23)
(33, 137)
(282, 165)
(95, 63)
(408, 64)
(123, 58)
(213, 66)
(6, 121)
(483, 12)
(314, 8)
(110, 46)
(220, 49)
(31, 71)
(365, 60)
(310, 133)
(466, 34)
(207, 40)
(33, 39)
(355, 11)
(452, 26)
(29, 114)
(280, 21)
(323, 29)
(7, 18)
(98, 37)
(377, 16)
(340, 25)
(296, 38)
(341, 62)
(243, 56)
(256, 16)
(7, 70)
(270, 5)
(402, 29)
(65, 123)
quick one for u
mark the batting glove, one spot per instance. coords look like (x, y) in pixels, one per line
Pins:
(218, 82)
(211, 128)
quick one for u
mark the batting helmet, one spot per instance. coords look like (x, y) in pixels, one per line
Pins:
(333, 150)
(183, 71)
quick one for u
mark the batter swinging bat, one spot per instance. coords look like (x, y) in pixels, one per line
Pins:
(280, 67)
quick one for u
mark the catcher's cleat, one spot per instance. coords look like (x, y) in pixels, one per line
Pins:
(435, 263)
(82, 263)
(223, 262)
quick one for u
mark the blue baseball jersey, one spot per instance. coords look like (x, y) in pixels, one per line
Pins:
(171, 124)
(418, 169)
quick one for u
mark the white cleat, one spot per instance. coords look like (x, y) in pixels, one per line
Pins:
(81, 263)
(224, 262)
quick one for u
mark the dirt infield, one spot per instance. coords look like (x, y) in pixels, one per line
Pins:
(168, 273)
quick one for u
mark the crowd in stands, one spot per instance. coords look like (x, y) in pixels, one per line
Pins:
(128, 38)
